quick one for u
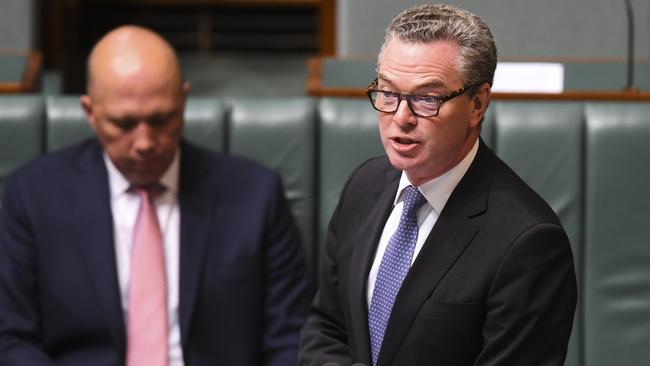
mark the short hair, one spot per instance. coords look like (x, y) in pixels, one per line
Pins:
(437, 22)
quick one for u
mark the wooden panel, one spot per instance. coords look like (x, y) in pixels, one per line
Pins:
(327, 27)
(71, 27)
(218, 2)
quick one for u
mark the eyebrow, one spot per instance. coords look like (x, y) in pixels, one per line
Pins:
(433, 84)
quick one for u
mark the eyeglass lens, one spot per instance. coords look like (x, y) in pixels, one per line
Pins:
(420, 105)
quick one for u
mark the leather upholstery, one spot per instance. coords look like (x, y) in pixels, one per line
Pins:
(617, 234)
(21, 132)
(205, 120)
(348, 137)
(542, 142)
(588, 160)
(279, 134)
(66, 122)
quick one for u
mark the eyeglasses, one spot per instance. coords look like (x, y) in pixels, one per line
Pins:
(421, 105)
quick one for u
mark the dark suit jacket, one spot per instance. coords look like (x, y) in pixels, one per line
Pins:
(242, 281)
(494, 283)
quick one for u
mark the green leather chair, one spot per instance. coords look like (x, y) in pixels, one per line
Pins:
(588, 160)
(543, 143)
(617, 234)
(66, 122)
(280, 134)
(205, 120)
(348, 137)
(21, 132)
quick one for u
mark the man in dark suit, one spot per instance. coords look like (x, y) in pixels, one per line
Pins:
(78, 281)
(439, 254)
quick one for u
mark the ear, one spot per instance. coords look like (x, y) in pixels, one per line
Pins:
(480, 103)
(87, 105)
(186, 88)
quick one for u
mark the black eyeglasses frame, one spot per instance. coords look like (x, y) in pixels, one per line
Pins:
(372, 88)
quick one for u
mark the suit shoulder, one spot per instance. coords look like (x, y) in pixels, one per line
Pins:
(233, 167)
(370, 171)
(510, 190)
(51, 165)
(367, 181)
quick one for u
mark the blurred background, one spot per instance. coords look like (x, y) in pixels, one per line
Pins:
(262, 47)
(583, 148)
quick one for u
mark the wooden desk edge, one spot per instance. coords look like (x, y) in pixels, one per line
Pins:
(568, 95)
(314, 76)
(29, 77)
(32, 70)
(315, 88)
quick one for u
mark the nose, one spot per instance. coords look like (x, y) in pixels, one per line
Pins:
(404, 116)
(144, 138)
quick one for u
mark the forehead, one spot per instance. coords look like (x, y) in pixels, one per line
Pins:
(137, 98)
(411, 65)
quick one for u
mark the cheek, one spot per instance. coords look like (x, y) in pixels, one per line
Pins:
(454, 123)
(115, 142)
(169, 137)
(384, 123)
(108, 132)
(437, 137)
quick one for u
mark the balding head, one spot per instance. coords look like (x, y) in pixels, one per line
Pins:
(128, 52)
(135, 102)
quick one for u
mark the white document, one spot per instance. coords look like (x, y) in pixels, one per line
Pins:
(528, 77)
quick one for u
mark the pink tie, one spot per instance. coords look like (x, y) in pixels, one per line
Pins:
(147, 311)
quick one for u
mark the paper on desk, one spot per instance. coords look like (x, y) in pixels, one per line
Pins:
(528, 77)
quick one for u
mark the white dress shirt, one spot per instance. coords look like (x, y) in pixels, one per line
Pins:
(124, 207)
(436, 192)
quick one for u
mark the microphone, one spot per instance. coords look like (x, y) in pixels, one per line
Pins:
(630, 46)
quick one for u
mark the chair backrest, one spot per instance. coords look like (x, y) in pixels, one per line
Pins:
(543, 143)
(588, 160)
(21, 132)
(348, 136)
(205, 123)
(279, 134)
(617, 234)
(66, 122)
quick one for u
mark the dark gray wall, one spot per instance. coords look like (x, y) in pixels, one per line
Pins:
(522, 28)
(17, 24)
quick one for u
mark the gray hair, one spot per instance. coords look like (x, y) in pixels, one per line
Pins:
(429, 23)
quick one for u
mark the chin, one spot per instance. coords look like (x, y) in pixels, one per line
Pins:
(401, 163)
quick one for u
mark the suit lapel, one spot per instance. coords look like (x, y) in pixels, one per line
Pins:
(378, 208)
(92, 203)
(196, 196)
(90, 199)
(452, 233)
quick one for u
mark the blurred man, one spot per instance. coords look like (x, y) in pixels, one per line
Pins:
(138, 248)
(438, 254)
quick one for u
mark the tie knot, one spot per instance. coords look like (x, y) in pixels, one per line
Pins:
(150, 191)
(413, 200)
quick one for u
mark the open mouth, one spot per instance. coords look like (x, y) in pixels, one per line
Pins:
(404, 141)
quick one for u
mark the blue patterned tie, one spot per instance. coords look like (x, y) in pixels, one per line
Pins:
(393, 268)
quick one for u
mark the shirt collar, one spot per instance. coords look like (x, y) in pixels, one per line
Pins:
(437, 190)
(118, 184)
